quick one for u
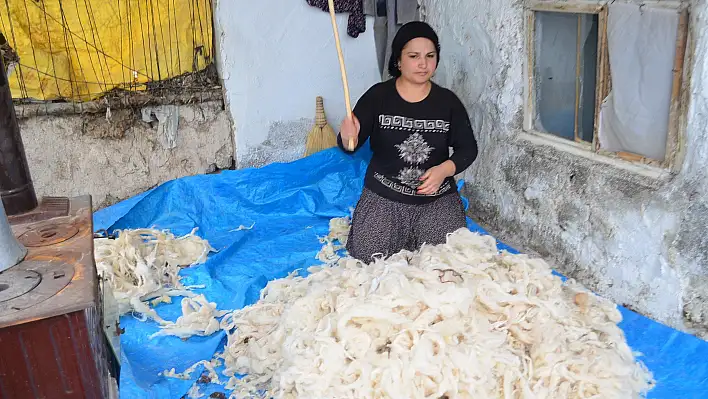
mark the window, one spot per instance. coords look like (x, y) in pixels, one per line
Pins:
(607, 78)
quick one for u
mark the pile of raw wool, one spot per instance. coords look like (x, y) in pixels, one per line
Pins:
(143, 265)
(458, 320)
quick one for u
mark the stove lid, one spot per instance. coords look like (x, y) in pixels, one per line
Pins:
(58, 275)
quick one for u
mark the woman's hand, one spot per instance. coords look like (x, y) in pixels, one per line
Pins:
(350, 132)
(434, 177)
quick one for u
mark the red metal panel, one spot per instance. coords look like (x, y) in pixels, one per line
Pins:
(50, 358)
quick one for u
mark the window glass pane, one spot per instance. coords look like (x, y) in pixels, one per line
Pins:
(565, 89)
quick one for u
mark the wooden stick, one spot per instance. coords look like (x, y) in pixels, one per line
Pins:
(350, 143)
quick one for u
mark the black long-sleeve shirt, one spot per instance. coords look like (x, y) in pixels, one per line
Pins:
(409, 138)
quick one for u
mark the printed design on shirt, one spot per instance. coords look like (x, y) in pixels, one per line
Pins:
(414, 150)
(410, 176)
(413, 125)
(405, 190)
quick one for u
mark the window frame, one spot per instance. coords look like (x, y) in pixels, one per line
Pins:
(679, 96)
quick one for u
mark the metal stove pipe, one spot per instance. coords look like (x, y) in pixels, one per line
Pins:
(16, 188)
(11, 251)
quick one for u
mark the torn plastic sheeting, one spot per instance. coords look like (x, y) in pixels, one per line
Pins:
(642, 47)
(167, 117)
(291, 205)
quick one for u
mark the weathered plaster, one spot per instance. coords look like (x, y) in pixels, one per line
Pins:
(637, 238)
(273, 72)
(114, 159)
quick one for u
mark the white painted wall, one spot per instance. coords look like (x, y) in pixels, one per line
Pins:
(275, 57)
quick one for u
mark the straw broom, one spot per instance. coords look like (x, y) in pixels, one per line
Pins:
(322, 136)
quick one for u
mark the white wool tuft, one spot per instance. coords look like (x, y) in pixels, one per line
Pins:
(143, 265)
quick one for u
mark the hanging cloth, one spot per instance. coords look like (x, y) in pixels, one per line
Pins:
(355, 8)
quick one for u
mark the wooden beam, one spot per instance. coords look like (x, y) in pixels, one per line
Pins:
(603, 73)
(530, 69)
(569, 7)
(578, 44)
(123, 100)
(672, 137)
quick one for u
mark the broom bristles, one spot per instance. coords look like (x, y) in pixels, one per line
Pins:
(322, 136)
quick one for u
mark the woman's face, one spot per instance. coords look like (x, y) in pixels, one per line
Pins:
(418, 60)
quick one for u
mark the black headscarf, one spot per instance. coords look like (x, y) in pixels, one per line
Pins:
(404, 35)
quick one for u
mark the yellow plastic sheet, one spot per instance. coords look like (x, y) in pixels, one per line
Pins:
(79, 49)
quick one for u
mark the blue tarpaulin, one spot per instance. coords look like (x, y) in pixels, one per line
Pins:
(291, 205)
